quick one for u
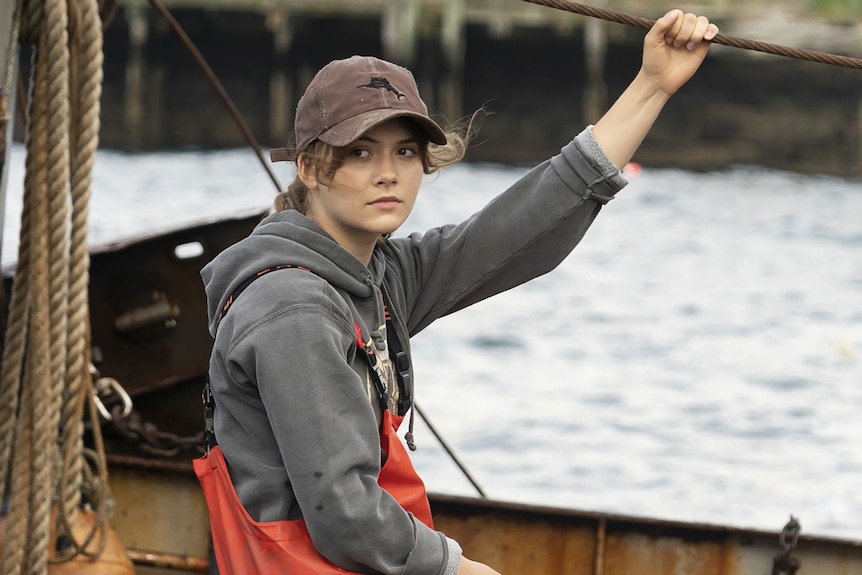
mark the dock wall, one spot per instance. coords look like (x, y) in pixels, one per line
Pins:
(542, 73)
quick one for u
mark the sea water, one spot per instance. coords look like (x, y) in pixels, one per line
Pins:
(698, 357)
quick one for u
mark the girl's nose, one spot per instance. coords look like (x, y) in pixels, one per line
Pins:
(386, 175)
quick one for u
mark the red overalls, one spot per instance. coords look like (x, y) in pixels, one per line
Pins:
(244, 546)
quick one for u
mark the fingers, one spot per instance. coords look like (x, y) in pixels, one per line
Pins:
(685, 29)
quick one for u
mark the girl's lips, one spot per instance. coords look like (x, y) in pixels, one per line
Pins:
(386, 203)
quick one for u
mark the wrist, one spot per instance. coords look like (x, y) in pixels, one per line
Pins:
(650, 88)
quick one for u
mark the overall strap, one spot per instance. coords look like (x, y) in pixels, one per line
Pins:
(401, 362)
(248, 281)
(207, 394)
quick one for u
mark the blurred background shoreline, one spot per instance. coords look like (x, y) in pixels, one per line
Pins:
(541, 72)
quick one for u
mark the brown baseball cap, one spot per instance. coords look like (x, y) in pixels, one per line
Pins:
(346, 98)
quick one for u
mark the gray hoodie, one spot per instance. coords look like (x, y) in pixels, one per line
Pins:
(293, 413)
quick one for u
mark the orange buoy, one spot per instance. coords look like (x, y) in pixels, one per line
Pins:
(632, 170)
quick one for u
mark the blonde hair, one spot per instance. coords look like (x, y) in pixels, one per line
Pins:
(325, 160)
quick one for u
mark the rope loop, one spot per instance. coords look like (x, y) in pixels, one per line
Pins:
(45, 383)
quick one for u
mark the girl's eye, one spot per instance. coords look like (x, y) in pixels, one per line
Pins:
(407, 152)
(360, 153)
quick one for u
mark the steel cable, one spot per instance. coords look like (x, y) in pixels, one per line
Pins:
(646, 23)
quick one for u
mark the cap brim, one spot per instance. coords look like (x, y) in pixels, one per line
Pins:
(350, 129)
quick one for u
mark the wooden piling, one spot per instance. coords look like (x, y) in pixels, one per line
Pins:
(858, 170)
(136, 68)
(398, 27)
(595, 48)
(452, 41)
(281, 104)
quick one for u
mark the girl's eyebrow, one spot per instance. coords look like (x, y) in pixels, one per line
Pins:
(408, 140)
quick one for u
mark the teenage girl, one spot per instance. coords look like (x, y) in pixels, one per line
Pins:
(312, 314)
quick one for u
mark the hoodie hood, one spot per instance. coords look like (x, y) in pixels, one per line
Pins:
(287, 237)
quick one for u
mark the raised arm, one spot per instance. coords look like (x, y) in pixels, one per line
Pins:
(674, 48)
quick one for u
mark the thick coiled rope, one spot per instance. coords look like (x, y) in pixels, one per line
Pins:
(45, 382)
(646, 23)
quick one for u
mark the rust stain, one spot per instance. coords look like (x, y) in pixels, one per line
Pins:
(538, 542)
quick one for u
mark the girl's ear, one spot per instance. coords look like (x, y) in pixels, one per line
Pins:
(306, 172)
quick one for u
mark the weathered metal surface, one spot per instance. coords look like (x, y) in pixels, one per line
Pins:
(149, 328)
(147, 304)
(169, 561)
(542, 540)
(160, 509)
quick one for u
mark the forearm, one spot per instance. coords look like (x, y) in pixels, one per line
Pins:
(623, 127)
(674, 49)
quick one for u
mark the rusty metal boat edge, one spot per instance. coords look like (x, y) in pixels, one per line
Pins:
(161, 513)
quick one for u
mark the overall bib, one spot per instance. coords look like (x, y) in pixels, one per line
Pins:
(244, 546)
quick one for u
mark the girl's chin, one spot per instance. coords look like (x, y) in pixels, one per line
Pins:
(385, 235)
(387, 228)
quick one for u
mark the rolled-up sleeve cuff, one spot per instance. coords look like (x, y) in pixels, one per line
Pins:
(433, 552)
(587, 160)
(454, 557)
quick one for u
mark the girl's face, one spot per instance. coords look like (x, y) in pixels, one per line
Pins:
(373, 190)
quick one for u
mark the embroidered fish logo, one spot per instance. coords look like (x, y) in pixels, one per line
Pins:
(382, 83)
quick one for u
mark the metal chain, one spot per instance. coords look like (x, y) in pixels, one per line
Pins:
(148, 438)
(116, 407)
(784, 563)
